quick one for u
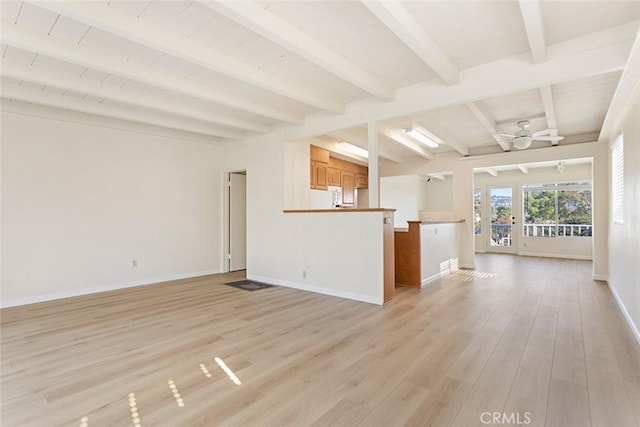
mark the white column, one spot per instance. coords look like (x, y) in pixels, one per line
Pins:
(463, 208)
(374, 181)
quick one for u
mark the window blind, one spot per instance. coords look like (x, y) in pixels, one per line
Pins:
(617, 181)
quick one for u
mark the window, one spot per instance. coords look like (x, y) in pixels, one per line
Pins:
(477, 210)
(617, 179)
(557, 209)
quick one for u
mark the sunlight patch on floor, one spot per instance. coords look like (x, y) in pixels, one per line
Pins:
(228, 371)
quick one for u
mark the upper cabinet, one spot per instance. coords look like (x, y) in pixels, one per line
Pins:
(348, 187)
(327, 171)
(319, 154)
(334, 177)
(319, 168)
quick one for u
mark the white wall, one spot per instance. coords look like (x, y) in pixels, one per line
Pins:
(439, 195)
(624, 239)
(340, 252)
(463, 189)
(80, 202)
(439, 250)
(557, 247)
(407, 194)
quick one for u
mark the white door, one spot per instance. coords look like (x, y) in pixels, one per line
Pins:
(237, 221)
(502, 220)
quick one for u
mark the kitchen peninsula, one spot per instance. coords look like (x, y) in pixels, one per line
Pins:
(426, 251)
(344, 252)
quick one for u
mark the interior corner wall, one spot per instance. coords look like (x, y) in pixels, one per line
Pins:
(439, 195)
(81, 203)
(340, 253)
(406, 194)
(624, 239)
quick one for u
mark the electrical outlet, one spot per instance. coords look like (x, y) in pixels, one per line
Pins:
(304, 274)
(134, 263)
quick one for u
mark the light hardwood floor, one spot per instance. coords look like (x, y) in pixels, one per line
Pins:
(528, 337)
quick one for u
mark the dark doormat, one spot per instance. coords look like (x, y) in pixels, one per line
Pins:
(249, 285)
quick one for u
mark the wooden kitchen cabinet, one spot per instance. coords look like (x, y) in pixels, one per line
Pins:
(334, 177)
(329, 171)
(348, 187)
(362, 180)
(319, 154)
(319, 175)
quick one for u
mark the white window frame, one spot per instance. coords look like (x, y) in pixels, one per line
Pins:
(617, 180)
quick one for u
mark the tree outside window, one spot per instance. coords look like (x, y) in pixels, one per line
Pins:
(559, 209)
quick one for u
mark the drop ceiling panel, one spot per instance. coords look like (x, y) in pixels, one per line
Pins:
(564, 20)
(581, 105)
(472, 33)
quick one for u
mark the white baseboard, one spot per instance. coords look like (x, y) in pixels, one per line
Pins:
(106, 288)
(626, 314)
(430, 279)
(319, 289)
(468, 266)
(563, 256)
(600, 277)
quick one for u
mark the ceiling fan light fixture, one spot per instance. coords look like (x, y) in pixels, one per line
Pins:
(421, 137)
(522, 142)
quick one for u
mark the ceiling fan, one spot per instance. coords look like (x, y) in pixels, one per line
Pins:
(523, 138)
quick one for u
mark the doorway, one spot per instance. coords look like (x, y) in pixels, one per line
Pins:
(500, 213)
(236, 221)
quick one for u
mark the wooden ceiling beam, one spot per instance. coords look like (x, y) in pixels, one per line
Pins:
(406, 143)
(135, 97)
(254, 17)
(27, 39)
(488, 123)
(101, 15)
(348, 137)
(596, 53)
(443, 137)
(627, 86)
(37, 96)
(532, 17)
(401, 23)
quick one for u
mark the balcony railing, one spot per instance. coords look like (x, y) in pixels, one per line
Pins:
(552, 230)
(501, 233)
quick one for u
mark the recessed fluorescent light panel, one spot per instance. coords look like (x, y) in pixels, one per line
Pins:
(421, 137)
(353, 149)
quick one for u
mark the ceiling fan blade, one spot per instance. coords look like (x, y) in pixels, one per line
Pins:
(507, 134)
(551, 132)
(548, 138)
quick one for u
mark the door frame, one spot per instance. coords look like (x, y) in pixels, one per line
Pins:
(225, 217)
(512, 249)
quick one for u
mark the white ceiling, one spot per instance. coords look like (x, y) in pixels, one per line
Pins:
(463, 71)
